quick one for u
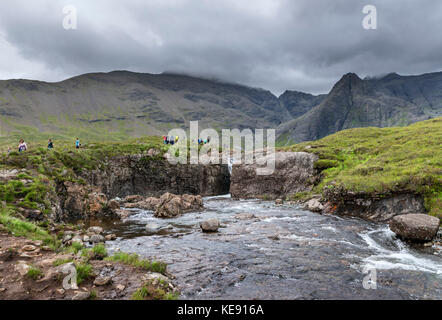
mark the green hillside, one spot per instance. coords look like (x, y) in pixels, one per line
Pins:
(383, 161)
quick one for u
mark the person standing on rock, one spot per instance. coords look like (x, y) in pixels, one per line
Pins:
(22, 146)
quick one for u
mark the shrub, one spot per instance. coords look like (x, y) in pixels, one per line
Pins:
(84, 271)
(99, 251)
(34, 273)
(148, 292)
(75, 247)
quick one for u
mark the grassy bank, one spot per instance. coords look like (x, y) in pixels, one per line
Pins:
(41, 168)
(383, 161)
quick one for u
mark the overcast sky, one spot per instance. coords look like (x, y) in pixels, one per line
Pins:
(304, 45)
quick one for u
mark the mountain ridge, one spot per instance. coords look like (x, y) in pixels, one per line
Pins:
(135, 104)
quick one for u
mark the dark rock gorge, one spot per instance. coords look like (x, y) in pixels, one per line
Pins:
(294, 172)
(150, 176)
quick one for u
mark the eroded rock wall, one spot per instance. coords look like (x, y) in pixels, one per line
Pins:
(154, 176)
(294, 172)
(371, 206)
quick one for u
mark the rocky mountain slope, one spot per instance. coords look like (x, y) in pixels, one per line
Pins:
(135, 104)
(389, 101)
(119, 104)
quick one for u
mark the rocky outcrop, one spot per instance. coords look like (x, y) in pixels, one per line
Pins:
(78, 201)
(294, 172)
(149, 203)
(415, 227)
(150, 175)
(167, 206)
(170, 205)
(133, 177)
(374, 207)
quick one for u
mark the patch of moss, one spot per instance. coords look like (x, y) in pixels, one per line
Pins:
(323, 164)
(134, 260)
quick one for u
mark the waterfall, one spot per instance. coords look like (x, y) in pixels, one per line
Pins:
(229, 164)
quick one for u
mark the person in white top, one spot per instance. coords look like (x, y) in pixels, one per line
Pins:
(22, 146)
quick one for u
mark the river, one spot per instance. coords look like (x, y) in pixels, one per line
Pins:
(283, 253)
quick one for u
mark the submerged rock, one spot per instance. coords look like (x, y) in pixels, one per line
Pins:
(417, 227)
(245, 216)
(153, 227)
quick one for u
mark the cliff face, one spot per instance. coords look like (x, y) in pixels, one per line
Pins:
(299, 103)
(134, 175)
(294, 172)
(147, 176)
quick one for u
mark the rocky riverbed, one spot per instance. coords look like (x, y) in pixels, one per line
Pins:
(268, 251)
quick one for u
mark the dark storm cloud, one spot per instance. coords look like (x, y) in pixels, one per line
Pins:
(275, 44)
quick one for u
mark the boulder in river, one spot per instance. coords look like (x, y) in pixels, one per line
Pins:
(416, 227)
(245, 216)
(211, 225)
(96, 238)
(171, 205)
(314, 205)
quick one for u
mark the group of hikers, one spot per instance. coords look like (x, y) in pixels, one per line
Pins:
(203, 141)
(172, 140)
(22, 146)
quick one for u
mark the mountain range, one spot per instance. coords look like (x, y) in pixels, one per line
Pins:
(121, 103)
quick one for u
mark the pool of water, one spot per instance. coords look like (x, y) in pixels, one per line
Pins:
(283, 253)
